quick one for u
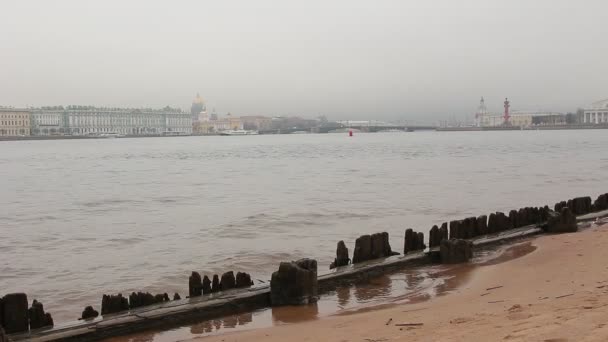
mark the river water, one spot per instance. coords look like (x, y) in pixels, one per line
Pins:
(79, 218)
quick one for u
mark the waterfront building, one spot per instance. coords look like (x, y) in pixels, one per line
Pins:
(177, 122)
(233, 122)
(291, 123)
(203, 116)
(256, 122)
(523, 118)
(596, 113)
(49, 121)
(213, 124)
(490, 120)
(519, 118)
(14, 122)
(87, 120)
(129, 121)
(481, 114)
(198, 109)
(483, 118)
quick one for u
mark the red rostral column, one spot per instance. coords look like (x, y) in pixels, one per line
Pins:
(507, 116)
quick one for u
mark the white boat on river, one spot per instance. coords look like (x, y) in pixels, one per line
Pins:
(238, 132)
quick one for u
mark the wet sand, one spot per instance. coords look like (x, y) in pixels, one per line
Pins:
(555, 293)
(409, 285)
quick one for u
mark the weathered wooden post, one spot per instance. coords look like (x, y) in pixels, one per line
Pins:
(295, 283)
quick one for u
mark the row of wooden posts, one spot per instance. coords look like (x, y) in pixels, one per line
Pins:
(367, 246)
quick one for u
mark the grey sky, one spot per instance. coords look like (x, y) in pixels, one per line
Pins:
(345, 59)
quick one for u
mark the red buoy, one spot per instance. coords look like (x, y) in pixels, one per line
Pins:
(350, 133)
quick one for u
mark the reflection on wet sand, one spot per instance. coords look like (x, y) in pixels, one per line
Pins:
(378, 287)
(510, 253)
(216, 325)
(210, 327)
(147, 336)
(295, 314)
(343, 295)
(405, 286)
(421, 284)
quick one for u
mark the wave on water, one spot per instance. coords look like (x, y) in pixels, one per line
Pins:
(255, 263)
(110, 202)
(296, 219)
(22, 219)
(126, 241)
(264, 223)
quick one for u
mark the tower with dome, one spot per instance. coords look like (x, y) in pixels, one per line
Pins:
(198, 109)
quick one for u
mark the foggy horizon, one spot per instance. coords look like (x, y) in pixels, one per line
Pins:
(387, 60)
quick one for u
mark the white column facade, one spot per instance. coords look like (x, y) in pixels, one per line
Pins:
(126, 121)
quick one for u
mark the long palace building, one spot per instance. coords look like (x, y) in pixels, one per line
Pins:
(87, 120)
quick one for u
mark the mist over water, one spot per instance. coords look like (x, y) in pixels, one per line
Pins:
(83, 218)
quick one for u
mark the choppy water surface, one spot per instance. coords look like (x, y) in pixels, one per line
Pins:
(83, 218)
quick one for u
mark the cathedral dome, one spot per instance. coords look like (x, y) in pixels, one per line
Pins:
(198, 99)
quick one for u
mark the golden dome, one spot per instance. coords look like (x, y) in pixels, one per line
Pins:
(198, 99)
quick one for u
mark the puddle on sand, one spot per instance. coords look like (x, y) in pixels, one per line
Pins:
(401, 287)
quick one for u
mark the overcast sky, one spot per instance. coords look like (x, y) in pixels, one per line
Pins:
(422, 59)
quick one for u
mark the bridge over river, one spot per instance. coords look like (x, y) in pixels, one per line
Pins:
(358, 127)
(373, 129)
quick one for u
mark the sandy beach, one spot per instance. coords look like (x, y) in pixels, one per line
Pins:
(556, 292)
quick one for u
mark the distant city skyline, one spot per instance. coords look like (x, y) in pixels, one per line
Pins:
(447, 116)
(385, 60)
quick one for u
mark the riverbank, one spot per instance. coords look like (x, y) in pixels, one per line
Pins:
(526, 128)
(345, 130)
(83, 137)
(555, 293)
